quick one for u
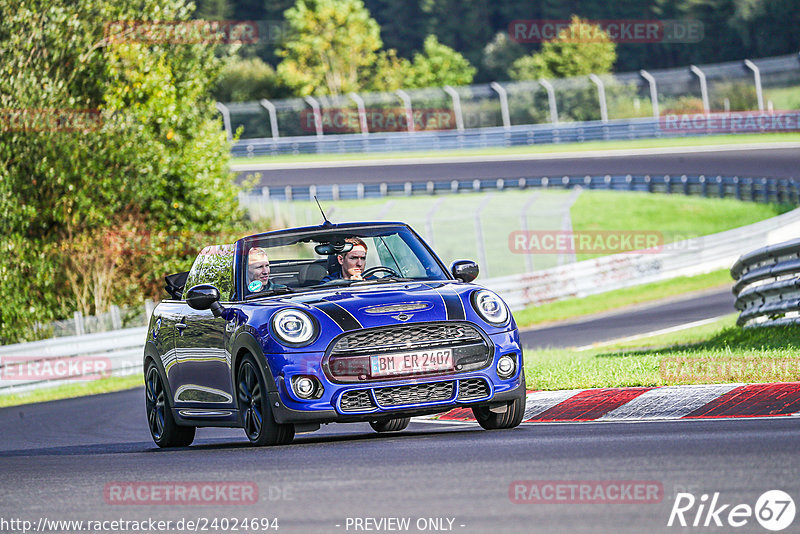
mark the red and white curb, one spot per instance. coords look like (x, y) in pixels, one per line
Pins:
(653, 403)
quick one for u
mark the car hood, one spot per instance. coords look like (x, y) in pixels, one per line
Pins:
(389, 304)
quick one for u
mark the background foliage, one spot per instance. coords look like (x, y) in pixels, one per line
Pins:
(98, 213)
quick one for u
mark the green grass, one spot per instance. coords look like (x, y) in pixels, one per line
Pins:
(718, 353)
(77, 389)
(673, 217)
(533, 149)
(611, 300)
(783, 98)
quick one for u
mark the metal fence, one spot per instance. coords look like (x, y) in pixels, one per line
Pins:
(767, 285)
(749, 188)
(621, 106)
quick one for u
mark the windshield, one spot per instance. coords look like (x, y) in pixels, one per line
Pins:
(310, 260)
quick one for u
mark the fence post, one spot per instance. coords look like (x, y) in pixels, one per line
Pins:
(409, 110)
(501, 92)
(79, 331)
(653, 91)
(551, 98)
(524, 221)
(273, 116)
(311, 101)
(484, 262)
(429, 220)
(703, 87)
(601, 95)
(362, 113)
(226, 120)
(456, 107)
(116, 320)
(757, 79)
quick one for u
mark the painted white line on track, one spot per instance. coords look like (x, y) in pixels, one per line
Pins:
(411, 160)
(669, 330)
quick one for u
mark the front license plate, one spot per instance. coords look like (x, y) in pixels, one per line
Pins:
(422, 361)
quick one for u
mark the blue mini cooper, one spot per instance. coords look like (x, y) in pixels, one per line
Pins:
(286, 330)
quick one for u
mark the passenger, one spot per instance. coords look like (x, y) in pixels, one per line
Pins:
(352, 263)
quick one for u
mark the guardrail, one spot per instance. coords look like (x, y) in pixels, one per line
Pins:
(62, 360)
(756, 189)
(683, 258)
(767, 285)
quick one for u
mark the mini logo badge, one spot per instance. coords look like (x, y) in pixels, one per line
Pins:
(157, 328)
(403, 316)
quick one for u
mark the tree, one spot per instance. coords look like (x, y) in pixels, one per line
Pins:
(439, 65)
(580, 49)
(333, 44)
(103, 136)
(499, 55)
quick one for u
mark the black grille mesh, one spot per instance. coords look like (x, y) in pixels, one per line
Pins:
(472, 388)
(414, 394)
(356, 401)
(405, 336)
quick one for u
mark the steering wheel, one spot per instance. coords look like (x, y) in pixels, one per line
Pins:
(378, 269)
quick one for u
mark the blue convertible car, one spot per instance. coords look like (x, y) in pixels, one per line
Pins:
(285, 330)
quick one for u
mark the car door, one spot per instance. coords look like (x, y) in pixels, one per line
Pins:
(203, 358)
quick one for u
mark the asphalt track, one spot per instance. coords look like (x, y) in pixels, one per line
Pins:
(736, 161)
(632, 321)
(57, 458)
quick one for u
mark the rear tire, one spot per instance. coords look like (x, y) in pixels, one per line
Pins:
(259, 423)
(390, 425)
(163, 428)
(512, 417)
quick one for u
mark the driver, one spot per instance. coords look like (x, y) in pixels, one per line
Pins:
(352, 262)
(258, 271)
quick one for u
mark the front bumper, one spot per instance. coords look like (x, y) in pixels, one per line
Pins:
(406, 397)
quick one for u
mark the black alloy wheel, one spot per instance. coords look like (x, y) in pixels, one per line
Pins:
(258, 421)
(163, 428)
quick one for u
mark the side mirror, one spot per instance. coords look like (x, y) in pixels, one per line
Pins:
(204, 297)
(464, 270)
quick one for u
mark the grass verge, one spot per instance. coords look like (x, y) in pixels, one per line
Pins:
(533, 149)
(579, 307)
(716, 353)
(67, 391)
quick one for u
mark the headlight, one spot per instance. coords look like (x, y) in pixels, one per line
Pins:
(293, 327)
(490, 307)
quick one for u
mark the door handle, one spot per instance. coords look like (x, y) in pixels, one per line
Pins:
(180, 327)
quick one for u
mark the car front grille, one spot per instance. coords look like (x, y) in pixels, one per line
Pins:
(414, 394)
(472, 389)
(357, 401)
(405, 336)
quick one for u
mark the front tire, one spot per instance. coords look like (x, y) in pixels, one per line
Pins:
(259, 423)
(163, 428)
(512, 417)
(390, 425)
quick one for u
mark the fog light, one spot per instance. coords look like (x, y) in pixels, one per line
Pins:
(304, 387)
(506, 366)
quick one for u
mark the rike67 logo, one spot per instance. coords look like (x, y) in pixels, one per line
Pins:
(774, 510)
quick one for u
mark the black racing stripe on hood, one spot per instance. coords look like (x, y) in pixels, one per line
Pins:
(339, 315)
(452, 303)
